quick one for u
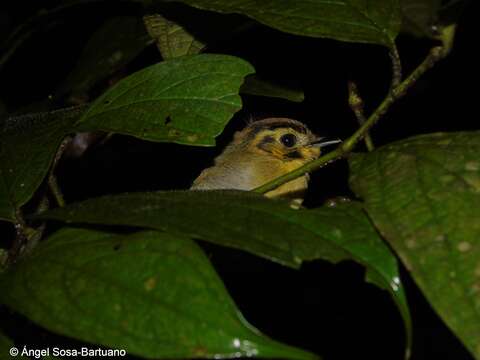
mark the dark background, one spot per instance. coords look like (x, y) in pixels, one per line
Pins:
(325, 308)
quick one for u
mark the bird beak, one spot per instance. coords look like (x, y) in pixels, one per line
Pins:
(318, 142)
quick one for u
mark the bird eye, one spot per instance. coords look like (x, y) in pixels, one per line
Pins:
(288, 140)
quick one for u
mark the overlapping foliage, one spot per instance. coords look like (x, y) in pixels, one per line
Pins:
(420, 195)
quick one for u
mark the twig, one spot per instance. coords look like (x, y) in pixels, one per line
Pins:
(52, 179)
(20, 239)
(396, 67)
(356, 104)
(435, 54)
(55, 189)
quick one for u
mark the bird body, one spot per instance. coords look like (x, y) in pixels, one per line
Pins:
(247, 173)
(261, 152)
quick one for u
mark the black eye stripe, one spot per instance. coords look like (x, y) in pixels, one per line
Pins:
(265, 140)
(294, 155)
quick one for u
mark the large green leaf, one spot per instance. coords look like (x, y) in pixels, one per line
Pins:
(423, 194)
(117, 42)
(174, 40)
(186, 100)
(153, 294)
(365, 21)
(27, 147)
(251, 222)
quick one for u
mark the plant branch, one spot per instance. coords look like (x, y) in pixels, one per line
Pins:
(396, 67)
(435, 54)
(52, 179)
(55, 189)
(356, 104)
(20, 238)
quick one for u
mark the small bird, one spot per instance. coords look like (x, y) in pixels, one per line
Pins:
(261, 152)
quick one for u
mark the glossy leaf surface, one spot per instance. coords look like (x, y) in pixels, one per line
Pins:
(251, 222)
(423, 194)
(153, 294)
(365, 21)
(186, 100)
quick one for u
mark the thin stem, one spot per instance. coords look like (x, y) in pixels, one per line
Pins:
(20, 238)
(435, 54)
(52, 179)
(308, 167)
(396, 67)
(55, 189)
(356, 104)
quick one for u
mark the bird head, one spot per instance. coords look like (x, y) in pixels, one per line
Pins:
(282, 138)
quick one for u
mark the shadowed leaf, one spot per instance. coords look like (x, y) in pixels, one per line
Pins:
(251, 222)
(420, 17)
(423, 194)
(253, 85)
(365, 21)
(27, 147)
(427, 18)
(171, 38)
(117, 42)
(153, 294)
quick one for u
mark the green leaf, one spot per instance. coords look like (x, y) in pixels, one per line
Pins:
(420, 17)
(153, 294)
(27, 147)
(254, 85)
(364, 21)
(5, 345)
(427, 18)
(117, 42)
(186, 100)
(251, 222)
(179, 32)
(174, 40)
(423, 194)
(171, 38)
